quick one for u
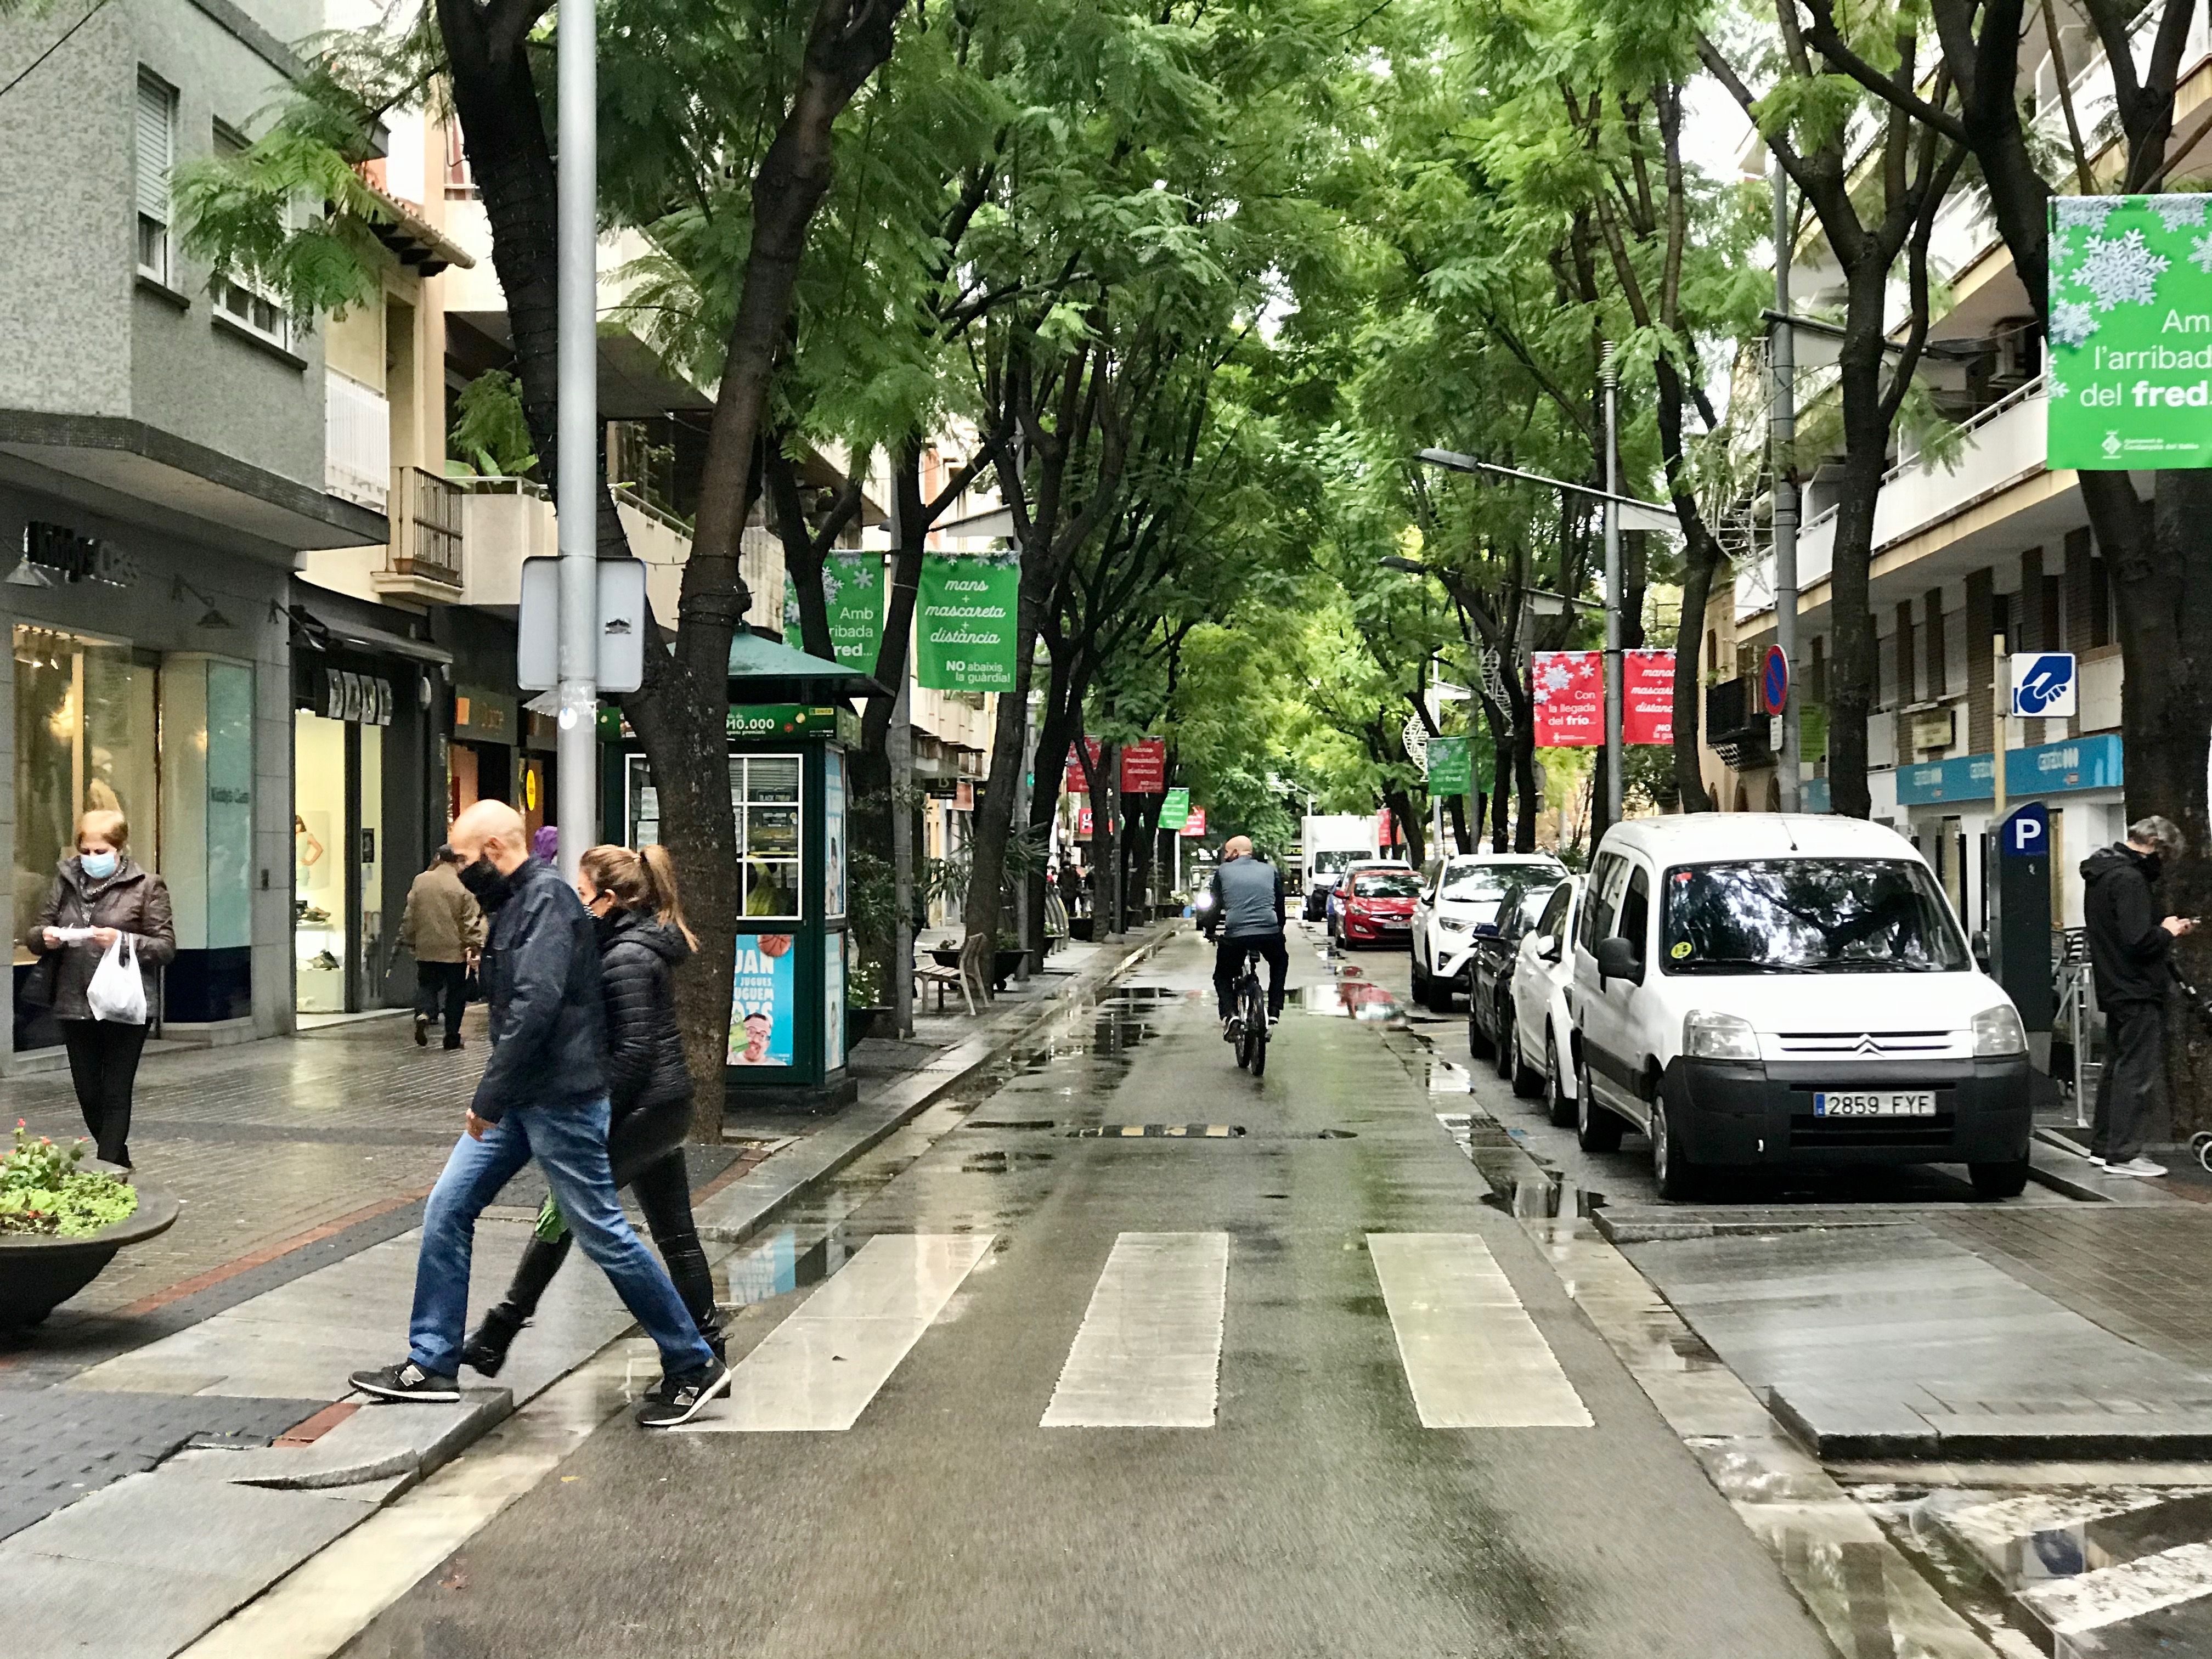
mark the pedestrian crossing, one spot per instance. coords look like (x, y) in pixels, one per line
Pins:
(1147, 1353)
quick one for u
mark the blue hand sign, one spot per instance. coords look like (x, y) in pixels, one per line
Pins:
(2045, 686)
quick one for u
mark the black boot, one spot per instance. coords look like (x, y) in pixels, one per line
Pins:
(694, 1282)
(485, 1351)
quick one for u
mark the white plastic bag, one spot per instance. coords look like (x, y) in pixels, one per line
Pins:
(118, 991)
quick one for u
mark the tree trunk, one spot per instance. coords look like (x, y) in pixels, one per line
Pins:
(1866, 444)
(1409, 824)
(1455, 810)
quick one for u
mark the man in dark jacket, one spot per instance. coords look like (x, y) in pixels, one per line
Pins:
(543, 1094)
(1247, 911)
(2127, 954)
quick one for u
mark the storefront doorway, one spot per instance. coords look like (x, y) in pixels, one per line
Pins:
(340, 945)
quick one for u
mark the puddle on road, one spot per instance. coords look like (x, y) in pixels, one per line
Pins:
(1353, 998)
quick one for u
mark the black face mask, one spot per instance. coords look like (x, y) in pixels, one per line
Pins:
(486, 884)
(2151, 867)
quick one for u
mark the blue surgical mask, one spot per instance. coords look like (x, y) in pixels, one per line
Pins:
(99, 865)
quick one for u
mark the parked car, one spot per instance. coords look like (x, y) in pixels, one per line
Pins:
(1460, 898)
(1542, 1029)
(1490, 1000)
(1764, 990)
(1373, 904)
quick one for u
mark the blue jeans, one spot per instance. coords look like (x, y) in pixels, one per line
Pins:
(570, 1145)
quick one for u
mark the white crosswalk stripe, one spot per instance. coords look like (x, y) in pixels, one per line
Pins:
(819, 1369)
(1148, 1353)
(1474, 1359)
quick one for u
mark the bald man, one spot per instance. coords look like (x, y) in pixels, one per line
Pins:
(544, 1095)
(1247, 911)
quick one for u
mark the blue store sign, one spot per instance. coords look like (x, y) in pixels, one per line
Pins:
(2048, 768)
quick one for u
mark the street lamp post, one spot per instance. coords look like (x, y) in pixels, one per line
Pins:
(578, 438)
(1782, 432)
(1609, 372)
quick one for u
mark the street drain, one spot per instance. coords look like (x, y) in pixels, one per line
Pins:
(1338, 1135)
(1170, 1131)
(1015, 1123)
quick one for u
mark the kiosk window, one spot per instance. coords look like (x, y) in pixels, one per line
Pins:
(764, 792)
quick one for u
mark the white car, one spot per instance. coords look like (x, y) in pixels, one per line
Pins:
(1753, 989)
(1543, 1030)
(1459, 898)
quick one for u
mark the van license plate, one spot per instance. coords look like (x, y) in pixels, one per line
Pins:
(1883, 1102)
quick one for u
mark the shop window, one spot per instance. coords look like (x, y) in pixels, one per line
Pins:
(764, 791)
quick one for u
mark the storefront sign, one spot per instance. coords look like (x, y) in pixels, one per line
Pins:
(964, 617)
(763, 1003)
(2131, 363)
(1647, 708)
(2048, 768)
(1175, 809)
(1570, 699)
(484, 716)
(1451, 767)
(78, 558)
(1076, 783)
(779, 719)
(1145, 766)
(362, 698)
(1083, 824)
(1195, 828)
(853, 593)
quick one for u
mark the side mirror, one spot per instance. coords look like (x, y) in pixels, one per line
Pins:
(1617, 959)
(1980, 946)
(1549, 950)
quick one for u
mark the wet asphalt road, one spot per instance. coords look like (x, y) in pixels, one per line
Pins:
(1316, 1515)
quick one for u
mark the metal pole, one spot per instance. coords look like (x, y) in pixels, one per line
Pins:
(1781, 434)
(2000, 706)
(1611, 375)
(1022, 787)
(898, 751)
(579, 444)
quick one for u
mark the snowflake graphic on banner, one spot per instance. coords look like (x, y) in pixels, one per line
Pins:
(2180, 212)
(2200, 254)
(2072, 323)
(2062, 248)
(1555, 678)
(2120, 270)
(2089, 210)
(2054, 387)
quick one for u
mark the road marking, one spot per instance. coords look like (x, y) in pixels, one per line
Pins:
(1173, 1131)
(1148, 1353)
(1474, 1359)
(820, 1368)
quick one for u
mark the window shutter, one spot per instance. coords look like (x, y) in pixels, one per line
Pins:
(157, 142)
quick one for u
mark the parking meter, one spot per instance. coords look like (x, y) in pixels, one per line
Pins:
(2016, 880)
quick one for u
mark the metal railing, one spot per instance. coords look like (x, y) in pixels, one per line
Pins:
(426, 526)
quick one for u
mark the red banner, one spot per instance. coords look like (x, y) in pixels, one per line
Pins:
(1083, 825)
(1076, 783)
(1570, 698)
(1194, 828)
(1145, 766)
(1647, 710)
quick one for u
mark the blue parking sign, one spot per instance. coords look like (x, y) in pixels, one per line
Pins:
(2026, 833)
(2043, 686)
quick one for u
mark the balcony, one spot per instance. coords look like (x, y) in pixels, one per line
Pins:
(1999, 447)
(356, 442)
(424, 558)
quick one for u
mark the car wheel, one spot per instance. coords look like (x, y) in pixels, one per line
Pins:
(1436, 993)
(1596, 1130)
(1476, 1043)
(1420, 980)
(1528, 1081)
(1999, 1180)
(1675, 1175)
(1505, 1039)
(1557, 1107)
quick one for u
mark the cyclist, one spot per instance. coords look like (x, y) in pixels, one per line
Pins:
(1247, 914)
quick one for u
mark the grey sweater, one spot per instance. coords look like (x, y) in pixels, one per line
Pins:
(1248, 899)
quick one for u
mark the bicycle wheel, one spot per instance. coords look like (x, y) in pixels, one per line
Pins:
(1255, 1022)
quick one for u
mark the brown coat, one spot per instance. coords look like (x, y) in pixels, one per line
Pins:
(134, 901)
(442, 923)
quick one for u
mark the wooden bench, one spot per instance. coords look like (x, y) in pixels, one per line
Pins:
(928, 974)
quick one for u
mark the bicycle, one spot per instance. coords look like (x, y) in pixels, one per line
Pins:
(1249, 1023)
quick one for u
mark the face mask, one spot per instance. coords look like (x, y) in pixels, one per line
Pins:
(2151, 867)
(99, 865)
(485, 884)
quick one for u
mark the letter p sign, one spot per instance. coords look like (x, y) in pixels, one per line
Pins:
(2026, 833)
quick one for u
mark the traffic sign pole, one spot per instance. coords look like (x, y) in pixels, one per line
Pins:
(2001, 706)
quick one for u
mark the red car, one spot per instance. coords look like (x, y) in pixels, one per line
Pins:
(1375, 904)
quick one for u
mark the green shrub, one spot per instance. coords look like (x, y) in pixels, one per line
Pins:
(43, 1191)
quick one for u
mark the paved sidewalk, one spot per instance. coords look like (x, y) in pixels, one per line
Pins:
(310, 1158)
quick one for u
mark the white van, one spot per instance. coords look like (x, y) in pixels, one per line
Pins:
(1759, 989)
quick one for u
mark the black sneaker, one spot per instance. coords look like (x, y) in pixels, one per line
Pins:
(422, 1031)
(485, 1351)
(679, 1400)
(453, 1042)
(408, 1380)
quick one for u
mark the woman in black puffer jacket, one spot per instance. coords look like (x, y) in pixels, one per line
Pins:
(643, 939)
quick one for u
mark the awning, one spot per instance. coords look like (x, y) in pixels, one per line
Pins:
(762, 669)
(364, 638)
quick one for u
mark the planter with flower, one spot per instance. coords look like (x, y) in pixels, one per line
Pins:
(62, 1217)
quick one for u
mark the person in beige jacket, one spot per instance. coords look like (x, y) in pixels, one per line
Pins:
(445, 930)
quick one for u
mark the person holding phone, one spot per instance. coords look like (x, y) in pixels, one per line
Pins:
(99, 894)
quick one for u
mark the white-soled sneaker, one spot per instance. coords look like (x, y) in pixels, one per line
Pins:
(2140, 1167)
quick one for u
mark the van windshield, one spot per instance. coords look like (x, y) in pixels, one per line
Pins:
(1335, 862)
(1807, 916)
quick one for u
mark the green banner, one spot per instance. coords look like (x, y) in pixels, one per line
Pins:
(852, 590)
(964, 617)
(1451, 767)
(1175, 809)
(2130, 365)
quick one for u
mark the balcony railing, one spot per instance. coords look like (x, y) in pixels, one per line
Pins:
(426, 527)
(356, 442)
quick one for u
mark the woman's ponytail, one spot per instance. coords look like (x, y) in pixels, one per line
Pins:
(658, 867)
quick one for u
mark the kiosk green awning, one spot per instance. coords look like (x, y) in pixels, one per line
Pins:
(762, 669)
